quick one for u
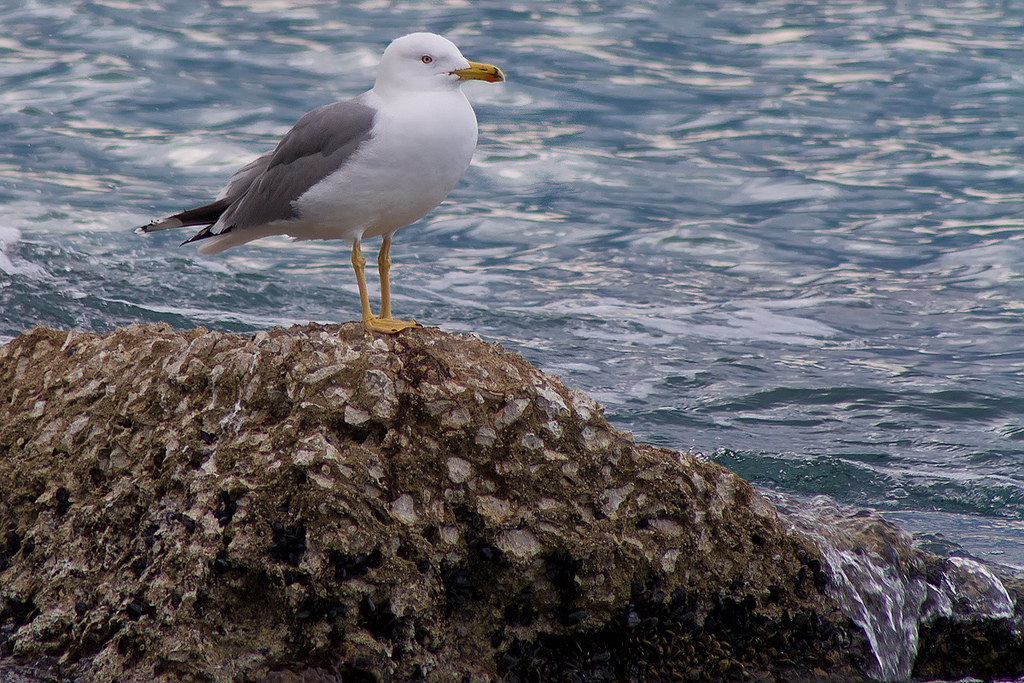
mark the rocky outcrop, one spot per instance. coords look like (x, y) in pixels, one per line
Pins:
(327, 503)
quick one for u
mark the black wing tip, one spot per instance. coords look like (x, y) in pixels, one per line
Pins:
(201, 235)
(206, 233)
(168, 223)
(207, 215)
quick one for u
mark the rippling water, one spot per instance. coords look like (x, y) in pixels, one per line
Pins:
(791, 230)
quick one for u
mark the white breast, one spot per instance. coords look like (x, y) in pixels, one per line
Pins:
(420, 146)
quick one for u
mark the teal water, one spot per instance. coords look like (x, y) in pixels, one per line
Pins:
(784, 234)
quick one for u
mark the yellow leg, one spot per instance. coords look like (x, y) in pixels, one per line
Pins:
(384, 323)
(359, 265)
(384, 270)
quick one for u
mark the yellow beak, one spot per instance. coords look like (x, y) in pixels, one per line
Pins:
(480, 72)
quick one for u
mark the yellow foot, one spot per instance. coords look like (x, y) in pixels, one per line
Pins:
(389, 326)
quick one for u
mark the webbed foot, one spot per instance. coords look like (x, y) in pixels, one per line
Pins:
(389, 326)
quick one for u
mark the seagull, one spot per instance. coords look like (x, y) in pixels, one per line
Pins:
(357, 169)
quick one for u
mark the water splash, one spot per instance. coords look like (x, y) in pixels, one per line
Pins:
(889, 587)
(969, 590)
(883, 601)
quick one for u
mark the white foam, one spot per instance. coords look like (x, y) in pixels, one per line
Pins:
(11, 265)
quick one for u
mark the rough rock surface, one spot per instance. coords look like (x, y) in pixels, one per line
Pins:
(319, 503)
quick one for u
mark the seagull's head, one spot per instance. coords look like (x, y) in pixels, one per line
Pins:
(426, 61)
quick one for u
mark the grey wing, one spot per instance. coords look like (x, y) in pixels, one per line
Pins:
(318, 145)
(243, 178)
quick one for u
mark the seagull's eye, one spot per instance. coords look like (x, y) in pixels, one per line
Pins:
(426, 59)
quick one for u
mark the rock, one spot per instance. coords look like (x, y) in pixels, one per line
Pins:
(320, 503)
